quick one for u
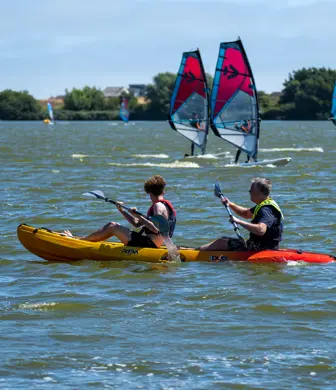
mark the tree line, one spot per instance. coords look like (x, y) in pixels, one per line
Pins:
(306, 95)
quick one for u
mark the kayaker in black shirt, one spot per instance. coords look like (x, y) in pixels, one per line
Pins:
(149, 236)
(266, 224)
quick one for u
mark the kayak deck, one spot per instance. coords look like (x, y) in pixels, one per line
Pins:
(54, 246)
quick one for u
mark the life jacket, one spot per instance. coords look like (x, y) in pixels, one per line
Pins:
(273, 235)
(267, 202)
(171, 217)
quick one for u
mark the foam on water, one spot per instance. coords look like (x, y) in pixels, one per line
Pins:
(316, 149)
(175, 164)
(160, 155)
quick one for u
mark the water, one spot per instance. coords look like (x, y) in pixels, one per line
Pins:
(132, 326)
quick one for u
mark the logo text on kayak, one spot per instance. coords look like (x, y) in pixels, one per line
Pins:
(129, 252)
(218, 258)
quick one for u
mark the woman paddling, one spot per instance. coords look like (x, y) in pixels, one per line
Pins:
(149, 236)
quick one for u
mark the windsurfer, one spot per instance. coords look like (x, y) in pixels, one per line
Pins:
(245, 126)
(195, 122)
(248, 157)
(265, 227)
(149, 236)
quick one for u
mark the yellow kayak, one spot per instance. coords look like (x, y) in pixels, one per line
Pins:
(50, 245)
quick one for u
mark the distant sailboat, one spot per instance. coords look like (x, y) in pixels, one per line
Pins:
(234, 104)
(124, 111)
(189, 108)
(50, 121)
(333, 106)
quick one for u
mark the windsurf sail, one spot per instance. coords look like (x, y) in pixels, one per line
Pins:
(333, 106)
(189, 107)
(234, 103)
(51, 112)
(124, 111)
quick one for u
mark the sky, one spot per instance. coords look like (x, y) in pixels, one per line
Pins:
(46, 47)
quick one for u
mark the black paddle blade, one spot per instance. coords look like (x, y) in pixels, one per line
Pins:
(161, 223)
(217, 190)
(97, 194)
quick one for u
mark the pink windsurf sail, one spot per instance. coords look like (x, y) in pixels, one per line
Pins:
(189, 105)
(234, 105)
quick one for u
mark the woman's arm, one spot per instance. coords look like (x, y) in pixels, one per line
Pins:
(132, 220)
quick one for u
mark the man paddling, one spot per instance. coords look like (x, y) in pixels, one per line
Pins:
(149, 236)
(265, 228)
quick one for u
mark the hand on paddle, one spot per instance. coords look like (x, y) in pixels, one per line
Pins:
(119, 205)
(233, 219)
(225, 201)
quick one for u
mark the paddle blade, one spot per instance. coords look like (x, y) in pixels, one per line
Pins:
(95, 194)
(217, 190)
(161, 223)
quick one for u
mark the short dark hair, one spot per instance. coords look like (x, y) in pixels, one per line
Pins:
(264, 185)
(155, 185)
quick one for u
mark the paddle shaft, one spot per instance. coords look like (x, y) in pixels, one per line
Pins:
(235, 226)
(125, 207)
(116, 203)
(159, 221)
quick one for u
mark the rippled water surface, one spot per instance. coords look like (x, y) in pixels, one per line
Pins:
(136, 326)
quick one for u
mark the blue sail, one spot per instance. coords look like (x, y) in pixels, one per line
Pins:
(124, 111)
(51, 113)
(333, 106)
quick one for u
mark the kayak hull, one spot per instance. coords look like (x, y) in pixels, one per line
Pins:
(53, 246)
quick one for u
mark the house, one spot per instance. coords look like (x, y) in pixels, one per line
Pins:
(138, 90)
(115, 91)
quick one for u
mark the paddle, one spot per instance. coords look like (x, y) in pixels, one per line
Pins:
(159, 221)
(219, 194)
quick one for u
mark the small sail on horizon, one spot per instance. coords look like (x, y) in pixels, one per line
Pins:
(124, 111)
(189, 107)
(333, 106)
(51, 113)
(234, 102)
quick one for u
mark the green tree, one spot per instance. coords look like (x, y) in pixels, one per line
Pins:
(86, 99)
(19, 106)
(209, 81)
(307, 93)
(159, 95)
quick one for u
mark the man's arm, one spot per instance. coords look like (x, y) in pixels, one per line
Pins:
(259, 229)
(239, 210)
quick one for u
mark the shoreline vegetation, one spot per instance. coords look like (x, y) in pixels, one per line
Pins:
(306, 95)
